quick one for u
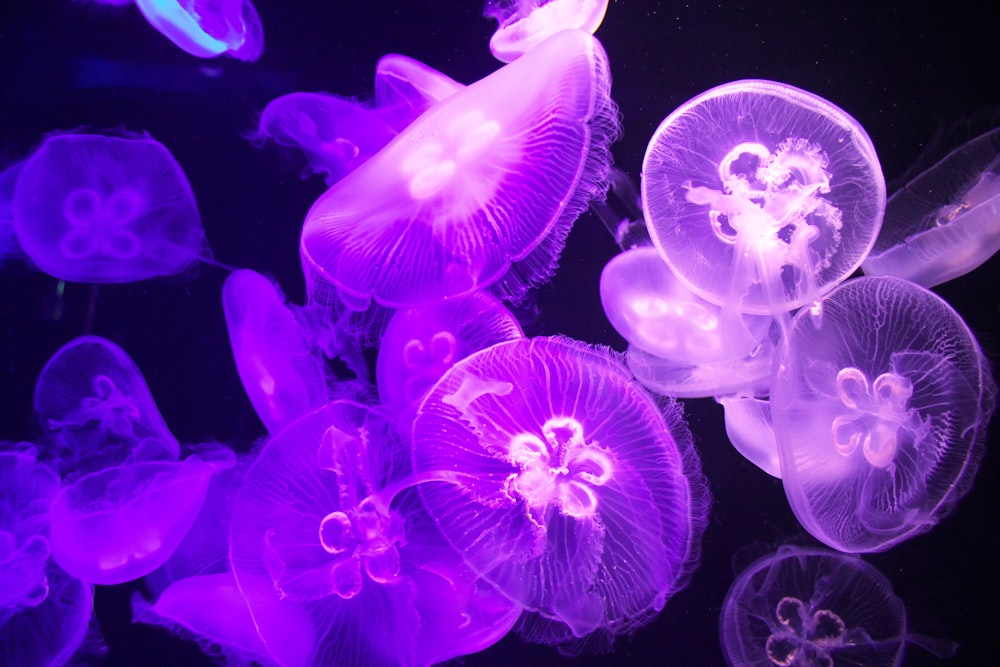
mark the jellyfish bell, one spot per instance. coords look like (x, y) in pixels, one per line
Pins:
(523, 24)
(761, 196)
(208, 28)
(473, 191)
(406, 88)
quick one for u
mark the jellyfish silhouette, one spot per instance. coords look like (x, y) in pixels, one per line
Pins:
(208, 29)
(93, 208)
(804, 606)
(523, 24)
(946, 221)
(474, 190)
(406, 88)
(880, 411)
(43, 611)
(537, 458)
(761, 196)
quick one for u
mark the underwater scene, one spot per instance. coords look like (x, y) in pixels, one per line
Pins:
(516, 332)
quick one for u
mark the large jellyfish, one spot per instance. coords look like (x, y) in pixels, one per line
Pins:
(802, 606)
(561, 482)
(101, 209)
(761, 196)
(208, 28)
(880, 410)
(523, 24)
(946, 221)
(483, 186)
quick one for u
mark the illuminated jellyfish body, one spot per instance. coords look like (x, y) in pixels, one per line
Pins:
(281, 374)
(562, 483)
(405, 88)
(523, 24)
(483, 186)
(100, 209)
(761, 196)
(43, 612)
(946, 221)
(880, 413)
(751, 430)
(97, 409)
(208, 28)
(421, 343)
(336, 135)
(803, 606)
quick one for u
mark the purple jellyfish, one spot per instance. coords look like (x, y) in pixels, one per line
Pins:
(208, 28)
(880, 409)
(523, 24)
(405, 88)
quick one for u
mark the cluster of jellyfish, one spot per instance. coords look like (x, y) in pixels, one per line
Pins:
(477, 481)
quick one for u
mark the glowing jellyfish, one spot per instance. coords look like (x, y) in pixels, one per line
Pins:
(880, 413)
(761, 196)
(538, 458)
(803, 606)
(946, 221)
(405, 88)
(420, 344)
(282, 375)
(43, 611)
(483, 186)
(336, 135)
(751, 430)
(524, 24)
(208, 28)
(93, 208)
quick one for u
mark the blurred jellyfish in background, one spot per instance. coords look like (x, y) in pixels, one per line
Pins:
(406, 88)
(523, 24)
(103, 209)
(8, 238)
(208, 28)
(623, 219)
(562, 483)
(880, 412)
(946, 221)
(44, 612)
(806, 606)
(481, 188)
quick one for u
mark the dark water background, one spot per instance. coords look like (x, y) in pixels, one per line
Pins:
(920, 77)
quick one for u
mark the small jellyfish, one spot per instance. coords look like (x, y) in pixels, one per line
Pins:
(802, 606)
(99, 209)
(208, 28)
(281, 374)
(562, 483)
(761, 196)
(483, 186)
(880, 411)
(751, 430)
(523, 24)
(405, 88)
(946, 221)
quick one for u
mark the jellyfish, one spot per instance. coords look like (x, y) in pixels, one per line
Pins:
(946, 221)
(807, 606)
(523, 24)
(8, 238)
(880, 413)
(101, 209)
(537, 458)
(751, 431)
(761, 196)
(44, 612)
(208, 28)
(483, 186)
(281, 373)
(421, 343)
(405, 88)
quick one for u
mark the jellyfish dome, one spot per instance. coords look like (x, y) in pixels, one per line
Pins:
(761, 196)
(485, 185)
(100, 209)
(405, 88)
(523, 24)
(880, 409)
(208, 28)
(561, 482)
(946, 221)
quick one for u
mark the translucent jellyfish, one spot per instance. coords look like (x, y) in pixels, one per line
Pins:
(43, 611)
(562, 483)
(802, 606)
(761, 196)
(946, 221)
(880, 412)
(420, 344)
(208, 28)
(751, 430)
(483, 186)
(523, 24)
(282, 375)
(100, 209)
(405, 88)
(336, 135)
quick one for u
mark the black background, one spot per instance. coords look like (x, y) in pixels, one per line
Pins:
(920, 77)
